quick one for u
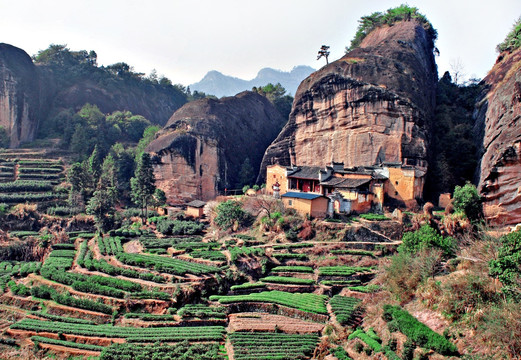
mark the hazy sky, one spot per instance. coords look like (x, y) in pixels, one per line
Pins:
(185, 39)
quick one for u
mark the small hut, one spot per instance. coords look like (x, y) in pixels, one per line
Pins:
(195, 208)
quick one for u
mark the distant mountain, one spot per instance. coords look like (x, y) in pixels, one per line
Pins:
(218, 84)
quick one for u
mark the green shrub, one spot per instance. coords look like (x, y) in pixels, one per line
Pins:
(418, 332)
(506, 266)
(513, 39)
(179, 227)
(467, 199)
(427, 238)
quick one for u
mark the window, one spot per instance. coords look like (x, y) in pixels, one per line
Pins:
(396, 193)
(290, 202)
(396, 182)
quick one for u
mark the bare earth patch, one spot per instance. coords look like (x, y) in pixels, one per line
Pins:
(253, 321)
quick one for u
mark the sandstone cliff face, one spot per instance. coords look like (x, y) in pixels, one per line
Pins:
(202, 148)
(19, 94)
(372, 105)
(499, 133)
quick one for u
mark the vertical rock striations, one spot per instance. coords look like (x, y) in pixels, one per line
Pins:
(373, 105)
(498, 127)
(19, 94)
(204, 146)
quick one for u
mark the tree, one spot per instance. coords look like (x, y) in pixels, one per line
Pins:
(426, 238)
(4, 138)
(143, 183)
(246, 173)
(467, 199)
(101, 205)
(230, 215)
(323, 52)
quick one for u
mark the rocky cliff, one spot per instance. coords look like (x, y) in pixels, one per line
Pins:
(19, 94)
(372, 105)
(31, 92)
(204, 146)
(499, 132)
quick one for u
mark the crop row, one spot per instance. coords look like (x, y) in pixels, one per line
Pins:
(268, 346)
(248, 286)
(287, 280)
(179, 351)
(166, 264)
(212, 255)
(110, 245)
(353, 252)
(26, 185)
(46, 292)
(103, 266)
(40, 170)
(296, 269)
(237, 252)
(64, 253)
(202, 311)
(61, 318)
(71, 344)
(19, 268)
(343, 307)
(342, 270)
(149, 317)
(24, 197)
(312, 303)
(48, 177)
(290, 256)
(75, 280)
(153, 242)
(153, 334)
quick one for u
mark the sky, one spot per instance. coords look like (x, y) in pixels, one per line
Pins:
(183, 40)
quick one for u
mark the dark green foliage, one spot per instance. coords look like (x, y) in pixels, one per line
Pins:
(266, 346)
(4, 138)
(507, 266)
(513, 39)
(297, 269)
(418, 332)
(400, 13)
(19, 289)
(229, 215)
(179, 227)
(343, 307)
(427, 238)
(286, 256)
(143, 183)
(181, 351)
(63, 211)
(30, 197)
(58, 317)
(248, 286)
(277, 95)
(408, 350)
(467, 199)
(453, 150)
(246, 174)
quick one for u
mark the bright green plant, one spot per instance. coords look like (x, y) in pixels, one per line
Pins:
(427, 238)
(467, 199)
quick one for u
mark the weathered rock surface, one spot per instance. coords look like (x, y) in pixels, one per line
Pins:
(499, 135)
(372, 105)
(204, 145)
(19, 94)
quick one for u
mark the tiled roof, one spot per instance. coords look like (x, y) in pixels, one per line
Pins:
(196, 204)
(306, 172)
(345, 183)
(301, 195)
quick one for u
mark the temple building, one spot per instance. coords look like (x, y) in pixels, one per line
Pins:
(320, 191)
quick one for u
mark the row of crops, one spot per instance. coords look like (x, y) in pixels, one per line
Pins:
(268, 346)
(165, 264)
(131, 334)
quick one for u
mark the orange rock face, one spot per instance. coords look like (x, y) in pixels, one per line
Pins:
(205, 144)
(497, 123)
(371, 106)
